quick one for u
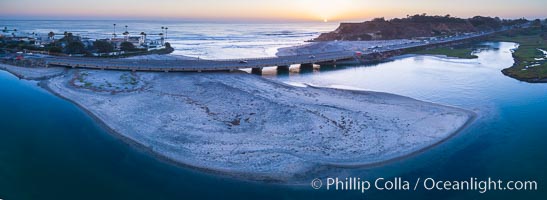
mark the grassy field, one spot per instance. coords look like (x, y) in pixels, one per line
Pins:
(527, 67)
(456, 52)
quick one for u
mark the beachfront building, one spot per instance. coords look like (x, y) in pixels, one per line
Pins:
(25, 39)
(41, 40)
(139, 42)
(67, 42)
(14, 36)
(116, 42)
(154, 44)
(88, 42)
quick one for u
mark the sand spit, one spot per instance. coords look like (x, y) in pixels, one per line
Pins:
(246, 126)
(37, 73)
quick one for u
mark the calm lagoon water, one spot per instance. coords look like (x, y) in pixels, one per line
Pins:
(50, 149)
(507, 141)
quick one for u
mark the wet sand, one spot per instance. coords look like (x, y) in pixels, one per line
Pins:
(248, 127)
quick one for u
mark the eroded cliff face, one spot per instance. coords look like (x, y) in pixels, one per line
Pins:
(410, 27)
(387, 30)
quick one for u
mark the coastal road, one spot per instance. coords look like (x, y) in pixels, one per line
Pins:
(245, 63)
(195, 65)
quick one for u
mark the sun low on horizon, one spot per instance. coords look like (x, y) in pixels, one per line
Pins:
(283, 10)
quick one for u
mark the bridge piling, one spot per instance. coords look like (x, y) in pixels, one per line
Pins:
(283, 68)
(306, 65)
(306, 68)
(257, 71)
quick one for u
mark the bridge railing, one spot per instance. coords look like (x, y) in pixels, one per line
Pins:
(291, 56)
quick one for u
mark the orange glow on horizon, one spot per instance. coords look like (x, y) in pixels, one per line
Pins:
(302, 10)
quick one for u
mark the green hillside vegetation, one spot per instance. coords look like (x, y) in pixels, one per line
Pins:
(527, 67)
(464, 52)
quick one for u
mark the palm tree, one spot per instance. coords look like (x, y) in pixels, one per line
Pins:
(143, 35)
(161, 34)
(166, 32)
(114, 34)
(126, 34)
(51, 36)
(161, 38)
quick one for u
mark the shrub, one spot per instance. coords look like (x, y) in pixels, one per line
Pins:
(103, 46)
(55, 49)
(75, 47)
(127, 46)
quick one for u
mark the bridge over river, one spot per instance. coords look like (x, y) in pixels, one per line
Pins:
(197, 65)
(255, 63)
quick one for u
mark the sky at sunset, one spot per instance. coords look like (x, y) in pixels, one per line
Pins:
(277, 10)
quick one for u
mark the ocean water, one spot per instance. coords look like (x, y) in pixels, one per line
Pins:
(50, 149)
(507, 141)
(197, 39)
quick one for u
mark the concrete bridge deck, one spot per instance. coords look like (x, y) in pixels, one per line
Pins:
(196, 65)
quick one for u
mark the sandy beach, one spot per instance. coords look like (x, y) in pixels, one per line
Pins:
(37, 73)
(245, 126)
(249, 127)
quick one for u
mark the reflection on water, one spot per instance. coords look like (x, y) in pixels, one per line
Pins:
(508, 141)
(49, 149)
(461, 82)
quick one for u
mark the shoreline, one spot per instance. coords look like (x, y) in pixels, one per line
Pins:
(527, 80)
(472, 118)
(509, 72)
(253, 178)
(129, 141)
(259, 177)
(28, 74)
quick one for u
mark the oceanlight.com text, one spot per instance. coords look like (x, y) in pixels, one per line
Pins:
(428, 184)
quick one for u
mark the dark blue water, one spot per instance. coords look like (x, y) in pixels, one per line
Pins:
(50, 149)
(508, 141)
